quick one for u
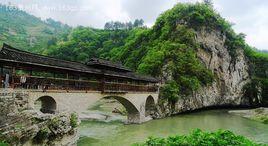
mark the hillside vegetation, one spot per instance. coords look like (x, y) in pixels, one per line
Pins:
(169, 47)
(259, 74)
(28, 32)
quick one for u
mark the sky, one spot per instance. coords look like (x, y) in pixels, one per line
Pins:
(249, 16)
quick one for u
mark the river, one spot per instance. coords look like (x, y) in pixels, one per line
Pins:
(115, 133)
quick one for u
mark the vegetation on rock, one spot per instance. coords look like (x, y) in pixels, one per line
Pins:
(170, 91)
(200, 138)
(258, 87)
(74, 120)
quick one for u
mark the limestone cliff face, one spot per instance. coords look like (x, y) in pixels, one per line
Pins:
(231, 74)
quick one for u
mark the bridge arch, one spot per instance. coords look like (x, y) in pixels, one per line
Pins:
(133, 114)
(46, 104)
(149, 106)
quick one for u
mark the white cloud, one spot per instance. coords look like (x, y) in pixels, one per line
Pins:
(250, 17)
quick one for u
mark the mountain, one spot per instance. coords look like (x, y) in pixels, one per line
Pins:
(195, 52)
(28, 32)
(191, 48)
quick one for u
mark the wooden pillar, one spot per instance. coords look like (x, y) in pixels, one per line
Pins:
(101, 80)
(2, 70)
(67, 75)
(1, 77)
(68, 85)
(13, 77)
(102, 84)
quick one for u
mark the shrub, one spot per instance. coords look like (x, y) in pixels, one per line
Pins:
(200, 138)
(263, 119)
(74, 120)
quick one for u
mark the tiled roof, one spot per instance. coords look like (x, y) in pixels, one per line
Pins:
(10, 54)
(106, 63)
(14, 55)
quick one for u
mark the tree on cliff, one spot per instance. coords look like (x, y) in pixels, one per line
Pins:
(208, 2)
(116, 25)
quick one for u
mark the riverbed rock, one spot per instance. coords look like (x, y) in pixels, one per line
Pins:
(258, 114)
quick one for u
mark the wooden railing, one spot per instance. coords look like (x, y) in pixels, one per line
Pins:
(43, 83)
(55, 84)
(129, 87)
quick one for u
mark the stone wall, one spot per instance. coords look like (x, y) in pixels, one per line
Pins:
(20, 125)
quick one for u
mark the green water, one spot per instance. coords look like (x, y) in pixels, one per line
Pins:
(117, 134)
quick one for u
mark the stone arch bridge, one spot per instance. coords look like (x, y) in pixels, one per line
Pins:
(138, 105)
(63, 85)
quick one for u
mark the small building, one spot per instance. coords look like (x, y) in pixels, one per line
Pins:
(25, 70)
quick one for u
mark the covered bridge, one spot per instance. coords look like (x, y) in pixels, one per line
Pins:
(63, 85)
(21, 69)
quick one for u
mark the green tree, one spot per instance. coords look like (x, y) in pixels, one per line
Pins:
(170, 91)
(208, 2)
(138, 23)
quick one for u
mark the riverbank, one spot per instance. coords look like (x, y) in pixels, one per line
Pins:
(258, 114)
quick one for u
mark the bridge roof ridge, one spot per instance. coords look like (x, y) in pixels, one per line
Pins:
(12, 54)
(8, 47)
(102, 62)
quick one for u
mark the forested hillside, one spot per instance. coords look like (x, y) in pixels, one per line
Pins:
(169, 47)
(28, 32)
(85, 42)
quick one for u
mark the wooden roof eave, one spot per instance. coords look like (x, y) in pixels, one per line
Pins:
(63, 68)
(55, 67)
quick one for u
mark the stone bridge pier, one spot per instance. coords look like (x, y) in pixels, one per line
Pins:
(138, 105)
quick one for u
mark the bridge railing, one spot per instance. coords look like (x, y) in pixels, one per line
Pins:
(43, 83)
(55, 84)
(109, 86)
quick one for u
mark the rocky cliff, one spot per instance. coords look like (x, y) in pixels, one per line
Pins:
(231, 74)
(22, 126)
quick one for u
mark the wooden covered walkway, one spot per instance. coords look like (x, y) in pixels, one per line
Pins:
(24, 70)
